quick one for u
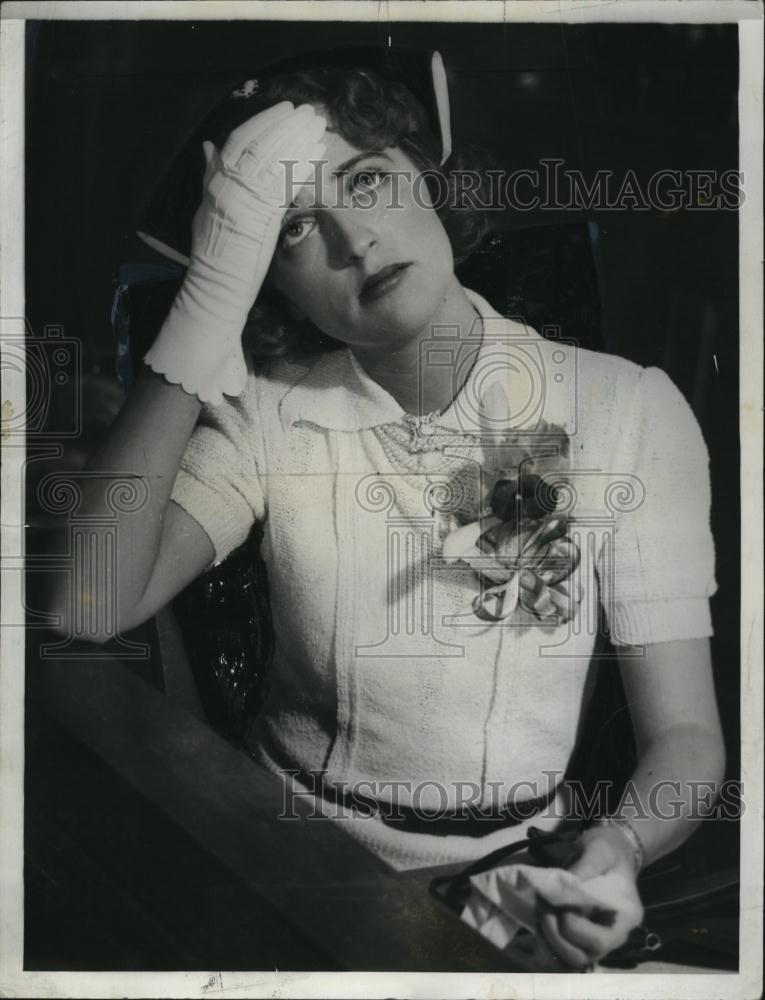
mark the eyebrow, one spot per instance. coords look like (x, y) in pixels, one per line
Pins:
(345, 167)
(349, 165)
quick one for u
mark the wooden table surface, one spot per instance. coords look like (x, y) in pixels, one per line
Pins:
(336, 893)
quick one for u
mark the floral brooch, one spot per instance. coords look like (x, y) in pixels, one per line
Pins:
(522, 552)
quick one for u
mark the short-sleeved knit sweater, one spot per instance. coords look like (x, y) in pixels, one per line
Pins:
(382, 673)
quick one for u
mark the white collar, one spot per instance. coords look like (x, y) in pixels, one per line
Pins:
(336, 393)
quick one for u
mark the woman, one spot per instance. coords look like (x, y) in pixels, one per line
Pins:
(407, 454)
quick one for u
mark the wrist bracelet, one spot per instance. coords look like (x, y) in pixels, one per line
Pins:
(638, 852)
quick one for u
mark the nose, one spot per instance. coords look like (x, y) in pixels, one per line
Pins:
(354, 234)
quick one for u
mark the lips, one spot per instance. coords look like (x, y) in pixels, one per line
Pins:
(383, 281)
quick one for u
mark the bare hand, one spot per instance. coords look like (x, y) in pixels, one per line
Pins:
(570, 940)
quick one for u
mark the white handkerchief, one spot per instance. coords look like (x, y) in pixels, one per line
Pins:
(504, 899)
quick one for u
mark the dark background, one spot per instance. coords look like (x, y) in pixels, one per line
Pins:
(109, 104)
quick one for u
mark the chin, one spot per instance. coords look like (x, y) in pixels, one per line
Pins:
(418, 306)
(405, 325)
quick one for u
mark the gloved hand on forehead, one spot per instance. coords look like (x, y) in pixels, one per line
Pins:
(247, 188)
(254, 154)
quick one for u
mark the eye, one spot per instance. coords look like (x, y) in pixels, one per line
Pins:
(368, 178)
(294, 231)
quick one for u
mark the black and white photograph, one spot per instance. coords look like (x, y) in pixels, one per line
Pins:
(382, 499)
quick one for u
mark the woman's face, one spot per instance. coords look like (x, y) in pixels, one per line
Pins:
(362, 253)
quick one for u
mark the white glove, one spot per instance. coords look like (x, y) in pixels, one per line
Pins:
(247, 188)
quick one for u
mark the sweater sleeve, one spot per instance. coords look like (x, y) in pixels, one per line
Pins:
(220, 483)
(658, 573)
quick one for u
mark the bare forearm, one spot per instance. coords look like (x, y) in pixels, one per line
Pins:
(143, 448)
(674, 786)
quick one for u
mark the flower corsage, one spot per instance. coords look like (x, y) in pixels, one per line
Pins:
(522, 552)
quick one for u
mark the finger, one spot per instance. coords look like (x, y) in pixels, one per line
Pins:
(278, 143)
(309, 107)
(585, 935)
(294, 124)
(312, 145)
(565, 951)
(310, 159)
(240, 137)
(209, 151)
(316, 128)
(289, 165)
(545, 956)
(310, 151)
(290, 136)
(258, 125)
(211, 160)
